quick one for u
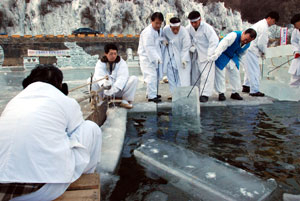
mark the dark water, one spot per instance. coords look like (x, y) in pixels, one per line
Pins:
(263, 140)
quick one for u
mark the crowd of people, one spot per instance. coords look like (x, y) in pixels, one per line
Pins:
(194, 55)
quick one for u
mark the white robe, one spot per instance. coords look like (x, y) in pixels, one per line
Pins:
(150, 51)
(256, 49)
(177, 52)
(295, 41)
(295, 66)
(205, 40)
(120, 78)
(44, 139)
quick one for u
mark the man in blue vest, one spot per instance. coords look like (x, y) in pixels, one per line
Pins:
(228, 54)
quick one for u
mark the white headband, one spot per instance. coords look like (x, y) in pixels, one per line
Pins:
(175, 24)
(194, 20)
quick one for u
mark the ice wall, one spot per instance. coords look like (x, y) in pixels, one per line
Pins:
(109, 16)
(78, 57)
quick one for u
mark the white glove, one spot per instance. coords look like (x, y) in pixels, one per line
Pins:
(184, 64)
(107, 84)
(165, 42)
(113, 90)
(192, 49)
(212, 58)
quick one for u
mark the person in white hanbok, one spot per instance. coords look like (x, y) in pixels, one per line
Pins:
(294, 69)
(257, 49)
(44, 138)
(204, 42)
(177, 62)
(120, 84)
(150, 52)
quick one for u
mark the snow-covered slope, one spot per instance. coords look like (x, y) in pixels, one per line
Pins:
(109, 16)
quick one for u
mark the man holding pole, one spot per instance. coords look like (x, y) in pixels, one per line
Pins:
(204, 42)
(120, 84)
(257, 49)
(177, 62)
(150, 54)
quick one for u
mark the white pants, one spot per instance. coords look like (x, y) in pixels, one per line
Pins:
(87, 134)
(206, 85)
(252, 72)
(173, 76)
(152, 82)
(233, 75)
(127, 93)
(295, 81)
(195, 72)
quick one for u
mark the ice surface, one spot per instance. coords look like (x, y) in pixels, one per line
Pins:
(183, 105)
(113, 133)
(200, 176)
(108, 183)
(290, 197)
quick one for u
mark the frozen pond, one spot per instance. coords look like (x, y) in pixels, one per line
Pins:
(263, 140)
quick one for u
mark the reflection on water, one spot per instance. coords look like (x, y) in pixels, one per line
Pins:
(263, 140)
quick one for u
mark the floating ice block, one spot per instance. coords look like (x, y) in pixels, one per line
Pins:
(183, 105)
(202, 177)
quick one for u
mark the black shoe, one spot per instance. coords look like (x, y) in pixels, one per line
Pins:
(246, 89)
(236, 96)
(222, 97)
(158, 96)
(203, 99)
(155, 100)
(257, 94)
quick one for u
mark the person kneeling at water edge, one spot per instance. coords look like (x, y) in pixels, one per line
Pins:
(228, 55)
(45, 144)
(120, 84)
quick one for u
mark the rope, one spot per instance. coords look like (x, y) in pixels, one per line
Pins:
(71, 90)
(92, 93)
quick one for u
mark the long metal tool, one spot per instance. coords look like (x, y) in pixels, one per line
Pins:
(197, 79)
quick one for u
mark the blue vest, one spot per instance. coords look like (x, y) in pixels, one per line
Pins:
(232, 52)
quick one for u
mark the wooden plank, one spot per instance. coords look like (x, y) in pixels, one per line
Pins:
(86, 181)
(80, 195)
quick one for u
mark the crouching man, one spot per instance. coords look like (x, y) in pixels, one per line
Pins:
(120, 84)
(45, 144)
